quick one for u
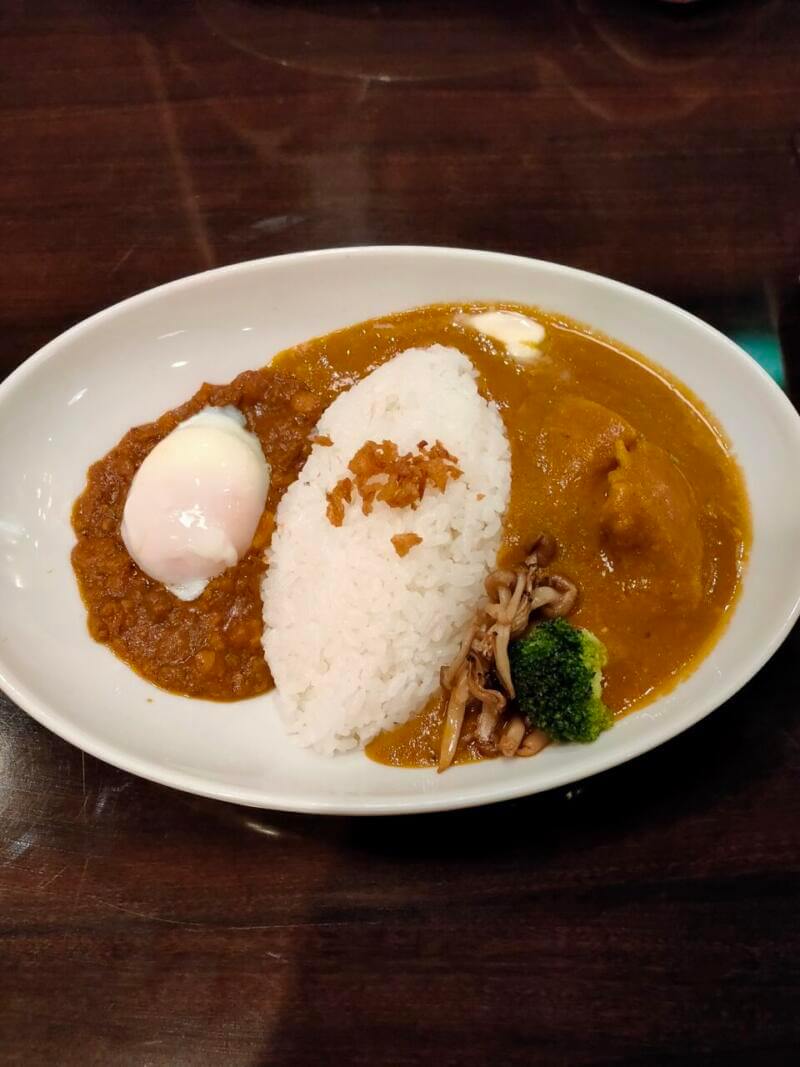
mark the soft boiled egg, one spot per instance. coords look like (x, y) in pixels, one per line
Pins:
(196, 500)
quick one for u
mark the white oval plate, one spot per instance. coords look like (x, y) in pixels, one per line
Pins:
(75, 398)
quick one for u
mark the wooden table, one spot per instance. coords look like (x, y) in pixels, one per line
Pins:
(649, 915)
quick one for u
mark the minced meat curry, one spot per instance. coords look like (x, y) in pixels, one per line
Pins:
(209, 647)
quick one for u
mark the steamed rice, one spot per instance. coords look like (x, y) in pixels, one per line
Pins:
(354, 634)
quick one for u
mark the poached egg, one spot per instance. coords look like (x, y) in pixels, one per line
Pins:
(195, 502)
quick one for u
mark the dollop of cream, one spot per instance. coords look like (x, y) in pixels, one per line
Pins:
(519, 334)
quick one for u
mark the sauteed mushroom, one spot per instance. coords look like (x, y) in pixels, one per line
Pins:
(480, 674)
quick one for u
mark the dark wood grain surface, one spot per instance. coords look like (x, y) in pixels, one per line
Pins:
(647, 916)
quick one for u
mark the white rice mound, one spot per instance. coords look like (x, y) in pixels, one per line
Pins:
(354, 634)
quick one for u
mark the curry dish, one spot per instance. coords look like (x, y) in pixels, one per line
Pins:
(612, 457)
(210, 647)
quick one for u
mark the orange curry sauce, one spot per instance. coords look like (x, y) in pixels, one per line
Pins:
(611, 455)
(662, 597)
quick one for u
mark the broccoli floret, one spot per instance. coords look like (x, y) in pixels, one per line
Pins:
(557, 671)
